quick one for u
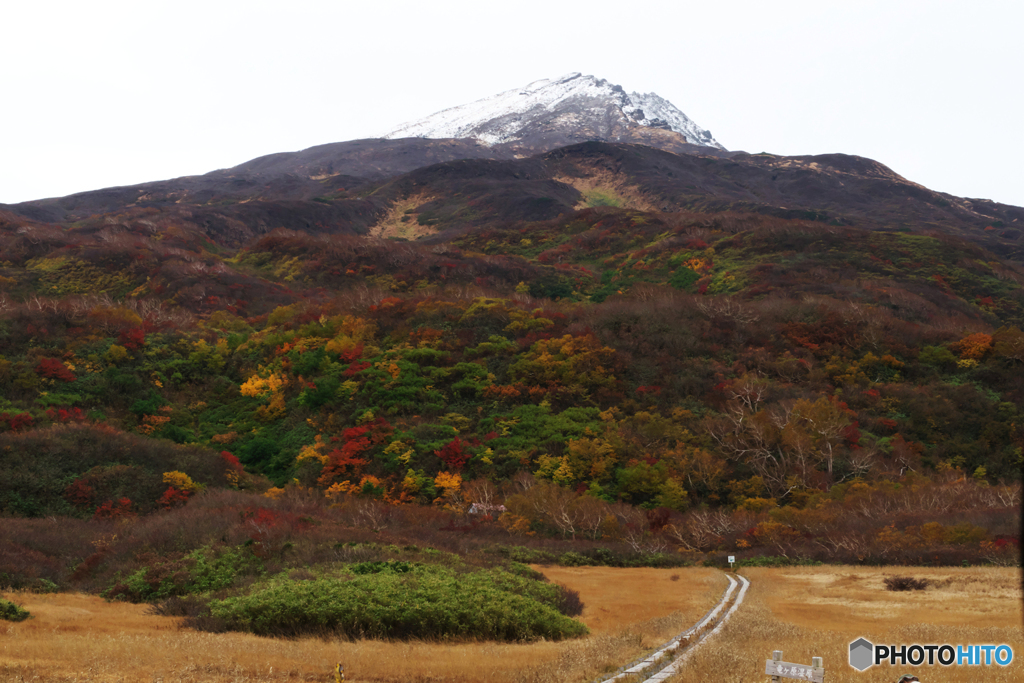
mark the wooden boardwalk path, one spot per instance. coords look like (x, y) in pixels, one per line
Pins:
(667, 659)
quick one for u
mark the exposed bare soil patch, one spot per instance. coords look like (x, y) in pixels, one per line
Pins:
(401, 220)
(601, 186)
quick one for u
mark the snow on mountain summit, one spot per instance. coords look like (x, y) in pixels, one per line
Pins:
(573, 107)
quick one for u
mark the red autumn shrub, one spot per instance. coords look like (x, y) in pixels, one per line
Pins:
(453, 455)
(52, 368)
(231, 461)
(79, 494)
(65, 415)
(122, 509)
(132, 339)
(15, 422)
(173, 498)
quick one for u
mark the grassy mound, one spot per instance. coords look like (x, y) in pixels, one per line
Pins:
(413, 601)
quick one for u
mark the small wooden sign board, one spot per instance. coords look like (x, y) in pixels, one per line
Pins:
(803, 672)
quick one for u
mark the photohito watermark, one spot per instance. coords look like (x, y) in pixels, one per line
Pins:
(864, 654)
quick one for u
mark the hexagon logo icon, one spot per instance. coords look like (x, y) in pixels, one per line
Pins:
(861, 654)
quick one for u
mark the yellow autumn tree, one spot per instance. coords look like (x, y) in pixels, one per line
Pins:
(273, 411)
(313, 452)
(116, 354)
(515, 525)
(352, 332)
(555, 469)
(181, 481)
(449, 485)
(974, 346)
(337, 489)
(400, 450)
(257, 386)
(593, 459)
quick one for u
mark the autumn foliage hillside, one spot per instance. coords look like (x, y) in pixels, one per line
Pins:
(642, 383)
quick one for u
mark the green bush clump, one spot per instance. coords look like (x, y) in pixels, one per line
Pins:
(524, 555)
(777, 561)
(604, 557)
(19, 581)
(520, 569)
(571, 559)
(426, 602)
(200, 571)
(395, 566)
(521, 584)
(42, 585)
(591, 557)
(683, 278)
(11, 612)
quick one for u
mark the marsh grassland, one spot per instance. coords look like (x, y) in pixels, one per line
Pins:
(75, 637)
(805, 612)
(817, 611)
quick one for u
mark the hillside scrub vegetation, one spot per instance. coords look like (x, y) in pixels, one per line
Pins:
(187, 416)
(416, 396)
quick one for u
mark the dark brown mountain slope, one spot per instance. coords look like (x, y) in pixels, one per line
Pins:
(289, 176)
(359, 186)
(837, 188)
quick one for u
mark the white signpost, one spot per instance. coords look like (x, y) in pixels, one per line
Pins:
(732, 561)
(780, 669)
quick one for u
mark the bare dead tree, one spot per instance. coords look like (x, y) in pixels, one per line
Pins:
(726, 308)
(556, 506)
(523, 481)
(754, 440)
(372, 514)
(854, 543)
(701, 529)
(593, 515)
(1007, 495)
(480, 491)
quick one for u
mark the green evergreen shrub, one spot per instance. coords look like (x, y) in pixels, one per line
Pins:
(12, 612)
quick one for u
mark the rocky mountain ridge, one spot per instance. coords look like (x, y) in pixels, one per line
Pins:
(573, 108)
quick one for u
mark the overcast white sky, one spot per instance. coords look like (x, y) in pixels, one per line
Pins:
(103, 93)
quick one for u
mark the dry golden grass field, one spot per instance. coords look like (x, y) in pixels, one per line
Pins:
(75, 637)
(817, 611)
(805, 612)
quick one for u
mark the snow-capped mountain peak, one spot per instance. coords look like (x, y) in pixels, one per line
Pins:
(569, 109)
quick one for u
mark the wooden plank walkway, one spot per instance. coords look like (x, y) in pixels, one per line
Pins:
(667, 659)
